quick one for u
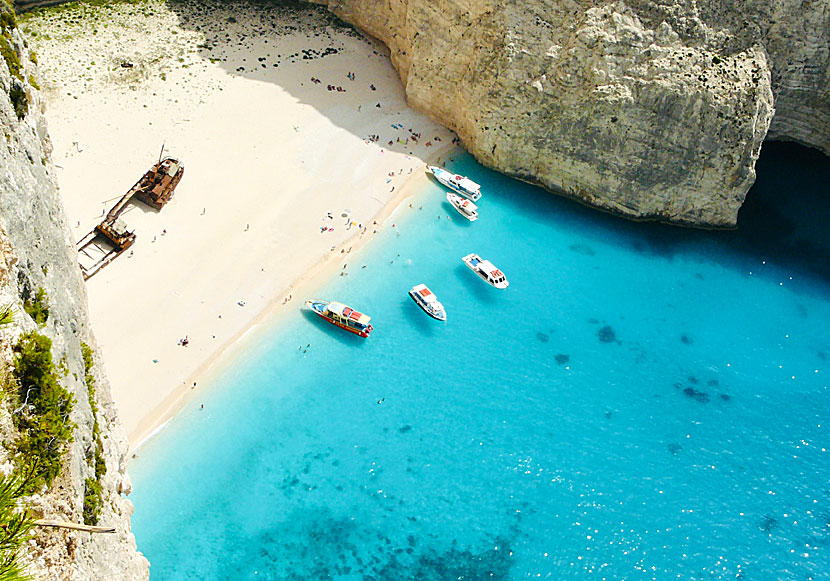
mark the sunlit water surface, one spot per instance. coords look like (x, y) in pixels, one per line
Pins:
(643, 402)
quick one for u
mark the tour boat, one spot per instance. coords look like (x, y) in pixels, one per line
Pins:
(427, 300)
(342, 316)
(464, 207)
(486, 271)
(463, 185)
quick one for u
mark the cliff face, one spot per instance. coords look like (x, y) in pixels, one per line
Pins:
(36, 251)
(653, 109)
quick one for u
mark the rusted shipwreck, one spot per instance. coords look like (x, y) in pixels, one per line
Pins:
(109, 239)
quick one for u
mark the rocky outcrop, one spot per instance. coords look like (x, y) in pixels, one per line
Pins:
(36, 251)
(653, 109)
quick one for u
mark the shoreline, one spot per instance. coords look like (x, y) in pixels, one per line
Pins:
(281, 140)
(269, 318)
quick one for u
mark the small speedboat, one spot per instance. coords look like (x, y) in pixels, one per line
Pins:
(486, 271)
(458, 183)
(464, 207)
(427, 300)
(341, 315)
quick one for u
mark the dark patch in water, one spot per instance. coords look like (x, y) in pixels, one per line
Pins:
(493, 561)
(768, 523)
(725, 396)
(713, 383)
(404, 429)
(608, 415)
(542, 337)
(699, 396)
(593, 321)
(686, 340)
(693, 380)
(562, 359)
(699, 276)
(607, 335)
(677, 385)
(583, 249)
(822, 355)
(674, 449)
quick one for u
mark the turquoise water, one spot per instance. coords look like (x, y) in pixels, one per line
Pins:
(643, 402)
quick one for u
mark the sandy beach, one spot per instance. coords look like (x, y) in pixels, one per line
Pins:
(297, 145)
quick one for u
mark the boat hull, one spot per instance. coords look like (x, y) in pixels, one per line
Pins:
(453, 200)
(468, 260)
(319, 309)
(437, 316)
(438, 173)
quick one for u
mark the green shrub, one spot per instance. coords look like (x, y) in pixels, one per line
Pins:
(8, 21)
(11, 58)
(6, 314)
(37, 308)
(95, 460)
(15, 526)
(42, 410)
(92, 501)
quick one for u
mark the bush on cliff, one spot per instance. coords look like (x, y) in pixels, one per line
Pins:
(37, 307)
(15, 526)
(41, 413)
(95, 456)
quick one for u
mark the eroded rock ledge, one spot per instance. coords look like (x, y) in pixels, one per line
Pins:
(653, 109)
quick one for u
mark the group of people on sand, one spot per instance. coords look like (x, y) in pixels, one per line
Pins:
(337, 88)
(184, 342)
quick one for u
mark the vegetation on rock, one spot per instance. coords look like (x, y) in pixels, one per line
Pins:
(40, 412)
(37, 307)
(15, 526)
(95, 456)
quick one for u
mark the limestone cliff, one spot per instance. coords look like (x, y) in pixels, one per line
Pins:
(36, 251)
(653, 109)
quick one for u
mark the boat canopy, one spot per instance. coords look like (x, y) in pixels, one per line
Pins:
(469, 206)
(489, 268)
(346, 312)
(467, 184)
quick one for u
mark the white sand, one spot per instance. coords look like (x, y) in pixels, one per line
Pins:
(267, 154)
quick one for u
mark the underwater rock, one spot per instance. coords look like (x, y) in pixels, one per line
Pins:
(607, 334)
(699, 396)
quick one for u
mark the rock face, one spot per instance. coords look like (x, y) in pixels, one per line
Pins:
(36, 251)
(653, 109)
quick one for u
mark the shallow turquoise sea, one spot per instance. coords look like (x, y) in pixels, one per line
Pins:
(643, 402)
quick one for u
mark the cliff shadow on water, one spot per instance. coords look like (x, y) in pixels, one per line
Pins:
(782, 222)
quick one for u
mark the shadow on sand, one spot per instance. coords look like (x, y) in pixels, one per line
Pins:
(783, 218)
(290, 43)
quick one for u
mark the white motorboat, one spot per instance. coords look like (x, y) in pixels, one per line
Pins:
(461, 184)
(427, 300)
(463, 206)
(486, 271)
